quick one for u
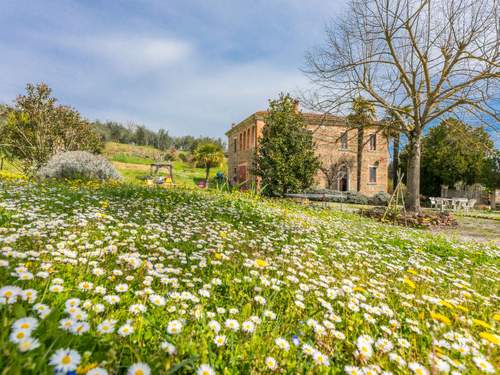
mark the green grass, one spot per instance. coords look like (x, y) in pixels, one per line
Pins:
(133, 163)
(331, 281)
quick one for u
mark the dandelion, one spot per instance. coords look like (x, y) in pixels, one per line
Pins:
(440, 318)
(139, 368)
(260, 263)
(65, 360)
(494, 339)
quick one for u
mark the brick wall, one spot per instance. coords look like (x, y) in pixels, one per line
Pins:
(333, 149)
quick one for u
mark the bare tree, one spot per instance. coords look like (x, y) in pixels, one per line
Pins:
(335, 170)
(435, 56)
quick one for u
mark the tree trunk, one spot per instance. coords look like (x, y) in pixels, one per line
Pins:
(413, 177)
(1, 163)
(359, 165)
(395, 161)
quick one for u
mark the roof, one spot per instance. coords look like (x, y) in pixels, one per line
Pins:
(315, 119)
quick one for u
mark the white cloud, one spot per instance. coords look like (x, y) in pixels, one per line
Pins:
(129, 53)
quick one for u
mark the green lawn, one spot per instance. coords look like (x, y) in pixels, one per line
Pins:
(119, 277)
(133, 163)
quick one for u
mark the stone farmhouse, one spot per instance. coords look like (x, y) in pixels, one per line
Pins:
(336, 147)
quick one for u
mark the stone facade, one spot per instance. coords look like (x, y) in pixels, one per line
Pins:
(336, 147)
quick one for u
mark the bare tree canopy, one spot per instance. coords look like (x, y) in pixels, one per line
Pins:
(431, 56)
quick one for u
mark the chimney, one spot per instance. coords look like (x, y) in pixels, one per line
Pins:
(296, 106)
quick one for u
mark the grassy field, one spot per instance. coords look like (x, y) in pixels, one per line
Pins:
(119, 278)
(133, 163)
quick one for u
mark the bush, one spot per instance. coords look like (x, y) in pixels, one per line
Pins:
(79, 165)
(184, 157)
(380, 199)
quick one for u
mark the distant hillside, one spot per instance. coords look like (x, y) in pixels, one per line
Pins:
(133, 163)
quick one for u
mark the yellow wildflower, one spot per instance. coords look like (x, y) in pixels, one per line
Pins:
(441, 318)
(482, 323)
(494, 339)
(410, 283)
(260, 263)
(496, 317)
(84, 369)
(446, 304)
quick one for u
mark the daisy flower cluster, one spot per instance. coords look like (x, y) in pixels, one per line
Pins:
(105, 279)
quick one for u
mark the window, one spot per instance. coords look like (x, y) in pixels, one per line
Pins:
(373, 142)
(343, 141)
(245, 139)
(373, 175)
(241, 141)
(235, 143)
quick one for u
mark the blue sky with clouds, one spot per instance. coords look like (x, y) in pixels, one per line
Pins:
(191, 67)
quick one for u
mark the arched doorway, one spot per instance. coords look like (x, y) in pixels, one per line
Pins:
(343, 178)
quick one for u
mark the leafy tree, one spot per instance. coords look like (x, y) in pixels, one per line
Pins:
(363, 114)
(37, 128)
(490, 176)
(210, 155)
(452, 152)
(285, 160)
(4, 154)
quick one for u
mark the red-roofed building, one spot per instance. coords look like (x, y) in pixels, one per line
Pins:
(336, 147)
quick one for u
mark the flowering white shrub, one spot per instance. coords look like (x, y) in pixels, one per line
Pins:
(79, 165)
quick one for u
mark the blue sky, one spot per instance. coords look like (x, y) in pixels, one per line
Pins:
(191, 67)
